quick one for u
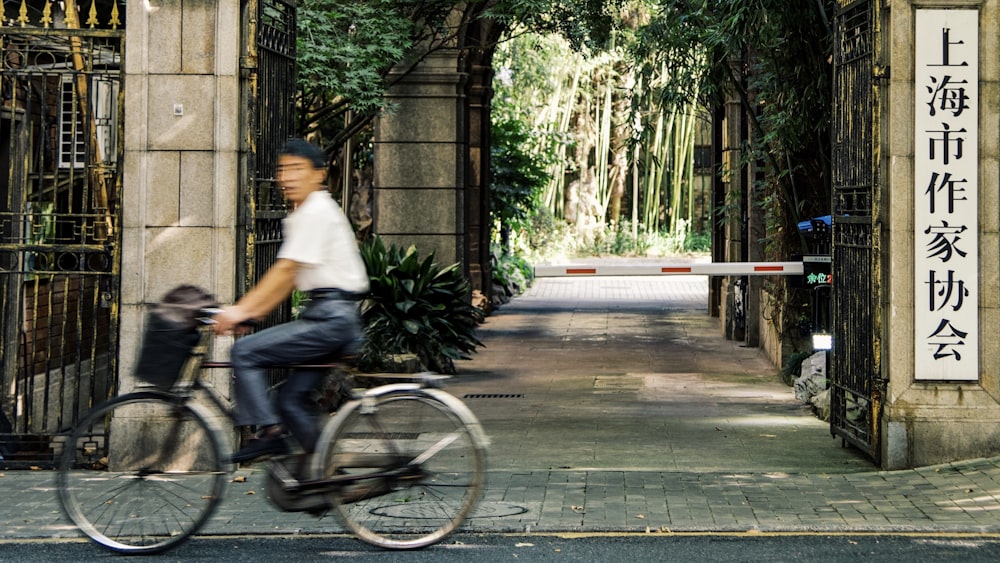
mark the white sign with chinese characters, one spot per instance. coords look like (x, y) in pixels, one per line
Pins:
(946, 155)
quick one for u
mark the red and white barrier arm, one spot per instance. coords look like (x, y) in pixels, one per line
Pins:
(687, 269)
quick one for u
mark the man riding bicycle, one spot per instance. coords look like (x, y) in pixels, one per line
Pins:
(319, 255)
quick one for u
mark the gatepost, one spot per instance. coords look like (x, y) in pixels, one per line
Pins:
(420, 161)
(182, 131)
(941, 284)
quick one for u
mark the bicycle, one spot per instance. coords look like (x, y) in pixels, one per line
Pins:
(401, 465)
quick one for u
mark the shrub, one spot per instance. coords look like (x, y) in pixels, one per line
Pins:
(416, 307)
(516, 177)
(511, 272)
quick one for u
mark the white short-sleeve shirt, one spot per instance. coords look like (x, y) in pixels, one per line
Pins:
(319, 237)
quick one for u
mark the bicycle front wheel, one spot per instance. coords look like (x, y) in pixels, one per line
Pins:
(425, 453)
(141, 472)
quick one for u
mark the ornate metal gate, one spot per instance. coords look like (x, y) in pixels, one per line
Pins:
(60, 121)
(855, 377)
(269, 92)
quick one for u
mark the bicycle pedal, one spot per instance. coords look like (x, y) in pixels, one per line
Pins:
(281, 473)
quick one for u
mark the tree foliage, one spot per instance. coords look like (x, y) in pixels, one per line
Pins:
(351, 51)
(631, 63)
(625, 154)
(585, 24)
(775, 56)
(517, 177)
(346, 50)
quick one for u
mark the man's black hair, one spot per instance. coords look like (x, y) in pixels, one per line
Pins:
(304, 149)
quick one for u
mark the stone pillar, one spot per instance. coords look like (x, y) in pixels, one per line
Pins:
(180, 172)
(420, 161)
(477, 194)
(930, 422)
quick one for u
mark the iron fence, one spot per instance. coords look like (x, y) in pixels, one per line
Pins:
(60, 120)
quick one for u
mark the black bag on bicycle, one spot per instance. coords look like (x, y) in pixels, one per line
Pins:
(171, 333)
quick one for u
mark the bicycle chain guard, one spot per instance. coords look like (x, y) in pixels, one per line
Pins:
(290, 501)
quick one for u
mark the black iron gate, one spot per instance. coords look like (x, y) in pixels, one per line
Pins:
(269, 91)
(855, 377)
(269, 95)
(60, 121)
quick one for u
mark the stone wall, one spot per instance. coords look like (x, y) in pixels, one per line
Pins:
(420, 161)
(182, 123)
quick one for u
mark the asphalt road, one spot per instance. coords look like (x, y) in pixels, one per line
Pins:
(742, 547)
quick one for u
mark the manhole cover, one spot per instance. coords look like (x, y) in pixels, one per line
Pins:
(381, 435)
(620, 383)
(432, 510)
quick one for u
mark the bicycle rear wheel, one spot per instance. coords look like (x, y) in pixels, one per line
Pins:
(430, 438)
(141, 472)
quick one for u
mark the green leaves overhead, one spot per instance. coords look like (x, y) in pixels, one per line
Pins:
(346, 47)
(584, 23)
(774, 55)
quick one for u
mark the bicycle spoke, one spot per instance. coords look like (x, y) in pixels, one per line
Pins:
(440, 466)
(150, 492)
(433, 450)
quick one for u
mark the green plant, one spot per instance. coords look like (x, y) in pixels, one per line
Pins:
(793, 365)
(544, 231)
(517, 178)
(299, 300)
(698, 242)
(618, 240)
(512, 271)
(416, 307)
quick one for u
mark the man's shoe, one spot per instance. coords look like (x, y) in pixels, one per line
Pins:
(276, 445)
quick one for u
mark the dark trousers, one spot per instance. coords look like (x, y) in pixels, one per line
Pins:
(326, 328)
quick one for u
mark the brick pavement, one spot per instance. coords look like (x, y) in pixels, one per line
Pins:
(635, 415)
(959, 497)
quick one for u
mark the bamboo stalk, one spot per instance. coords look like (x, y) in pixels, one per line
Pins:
(684, 162)
(666, 162)
(651, 192)
(603, 147)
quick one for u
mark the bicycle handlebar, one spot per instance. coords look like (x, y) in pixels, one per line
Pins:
(205, 315)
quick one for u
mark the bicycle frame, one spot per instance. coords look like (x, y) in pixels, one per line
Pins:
(190, 380)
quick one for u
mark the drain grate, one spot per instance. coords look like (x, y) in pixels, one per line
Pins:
(493, 396)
